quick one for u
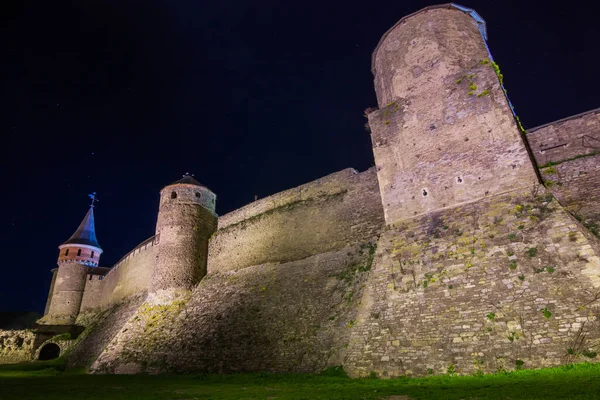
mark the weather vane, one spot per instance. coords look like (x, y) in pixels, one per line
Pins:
(93, 197)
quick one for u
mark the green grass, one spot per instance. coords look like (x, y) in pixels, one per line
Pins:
(47, 381)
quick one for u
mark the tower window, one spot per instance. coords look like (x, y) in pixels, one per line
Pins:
(91, 276)
(79, 252)
(100, 277)
(92, 254)
(197, 194)
(173, 195)
(67, 252)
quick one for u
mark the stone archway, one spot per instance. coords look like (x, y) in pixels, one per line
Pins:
(49, 351)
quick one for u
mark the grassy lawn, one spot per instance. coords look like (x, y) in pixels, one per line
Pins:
(46, 381)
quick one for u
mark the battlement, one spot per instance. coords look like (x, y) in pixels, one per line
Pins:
(328, 185)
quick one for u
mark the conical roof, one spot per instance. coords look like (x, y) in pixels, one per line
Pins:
(188, 180)
(86, 233)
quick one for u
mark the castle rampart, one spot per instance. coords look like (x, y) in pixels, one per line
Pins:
(562, 140)
(568, 152)
(294, 316)
(324, 215)
(130, 275)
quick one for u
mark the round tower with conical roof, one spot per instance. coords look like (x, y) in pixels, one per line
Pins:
(76, 256)
(186, 221)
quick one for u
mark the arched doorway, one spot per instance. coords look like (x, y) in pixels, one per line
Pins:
(50, 351)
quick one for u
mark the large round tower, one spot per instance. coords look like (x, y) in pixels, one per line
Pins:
(444, 133)
(186, 220)
(75, 258)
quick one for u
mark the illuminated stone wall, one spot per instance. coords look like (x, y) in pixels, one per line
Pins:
(504, 283)
(320, 216)
(16, 346)
(444, 134)
(567, 138)
(101, 328)
(569, 152)
(303, 253)
(92, 295)
(68, 288)
(323, 215)
(295, 316)
(131, 275)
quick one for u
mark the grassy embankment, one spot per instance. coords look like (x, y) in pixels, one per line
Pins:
(49, 381)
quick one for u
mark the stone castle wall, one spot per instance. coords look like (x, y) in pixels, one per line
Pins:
(504, 283)
(294, 316)
(92, 294)
(324, 215)
(478, 269)
(131, 275)
(569, 152)
(16, 346)
(567, 138)
(101, 328)
(322, 249)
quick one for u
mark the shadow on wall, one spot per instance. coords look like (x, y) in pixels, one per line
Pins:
(292, 317)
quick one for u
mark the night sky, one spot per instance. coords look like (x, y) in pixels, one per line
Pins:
(122, 97)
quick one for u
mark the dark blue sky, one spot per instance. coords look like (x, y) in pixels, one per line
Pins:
(122, 97)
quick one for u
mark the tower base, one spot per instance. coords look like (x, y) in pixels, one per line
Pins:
(504, 283)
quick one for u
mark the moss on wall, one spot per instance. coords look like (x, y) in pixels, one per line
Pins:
(505, 282)
(100, 330)
(16, 346)
(294, 316)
